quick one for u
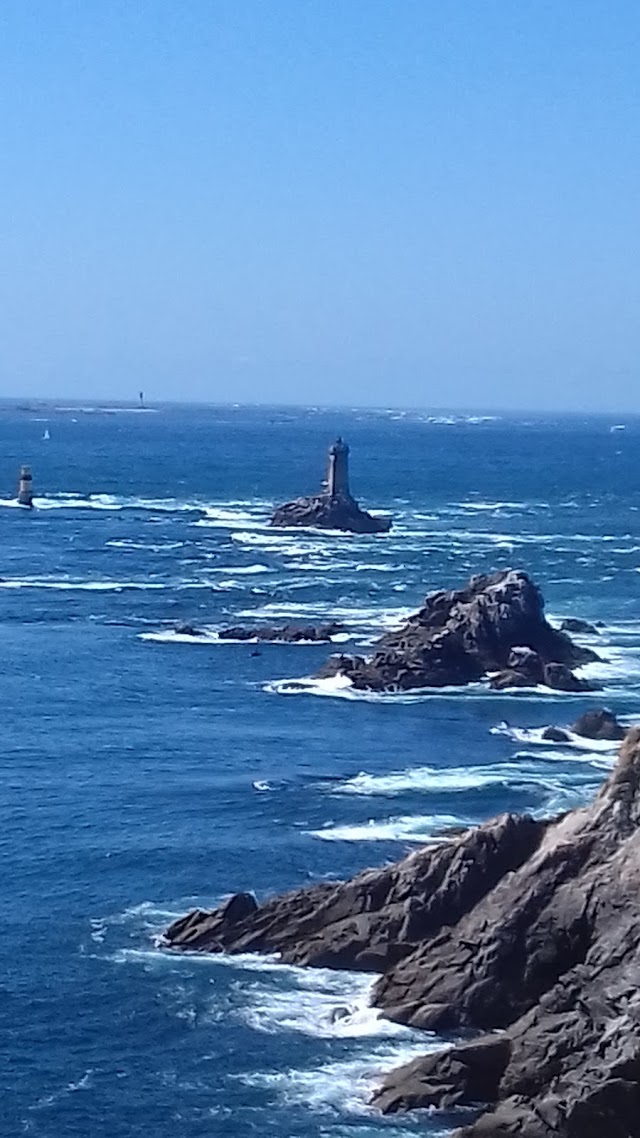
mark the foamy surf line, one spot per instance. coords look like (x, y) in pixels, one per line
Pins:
(427, 779)
(90, 586)
(341, 687)
(344, 1085)
(536, 736)
(419, 828)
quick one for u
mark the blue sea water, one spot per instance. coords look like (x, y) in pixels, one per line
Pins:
(144, 773)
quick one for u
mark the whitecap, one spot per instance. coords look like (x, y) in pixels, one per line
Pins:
(535, 736)
(450, 779)
(407, 828)
(325, 1007)
(345, 1085)
(90, 586)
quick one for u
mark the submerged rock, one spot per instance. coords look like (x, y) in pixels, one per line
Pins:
(335, 507)
(578, 626)
(556, 735)
(527, 928)
(494, 626)
(290, 633)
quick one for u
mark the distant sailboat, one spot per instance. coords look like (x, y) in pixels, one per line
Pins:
(46, 434)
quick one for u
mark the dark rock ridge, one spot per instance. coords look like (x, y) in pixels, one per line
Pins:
(291, 633)
(330, 511)
(495, 626)
(527, 932)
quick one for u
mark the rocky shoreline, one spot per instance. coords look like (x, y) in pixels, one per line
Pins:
(523, 932)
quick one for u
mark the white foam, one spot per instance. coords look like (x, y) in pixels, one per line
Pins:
(345, 1086)
(449, 779)
(161, 547)
(90, 586)
(331, 686)
(241, 570)
(325, 1006)
(362, 617)
(171, 636)
(408, 828)
(534, 735)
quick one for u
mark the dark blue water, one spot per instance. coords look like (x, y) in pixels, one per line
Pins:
(143, 773)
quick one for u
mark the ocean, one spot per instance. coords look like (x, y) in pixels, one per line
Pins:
(146, 772)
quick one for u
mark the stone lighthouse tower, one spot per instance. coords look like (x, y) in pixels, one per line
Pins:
(338, 472)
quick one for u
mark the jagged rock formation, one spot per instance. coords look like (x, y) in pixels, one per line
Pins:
(527, 932)
(599, 724)
(330, 512)
(495, 626)
(290, 633)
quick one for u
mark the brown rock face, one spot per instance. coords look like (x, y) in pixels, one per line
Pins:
(494, 626)
(527, 932)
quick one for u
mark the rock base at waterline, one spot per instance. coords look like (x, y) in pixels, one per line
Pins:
(338, 512)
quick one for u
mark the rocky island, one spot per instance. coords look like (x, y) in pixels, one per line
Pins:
(335, 507)
(525, 933)
(494, 628)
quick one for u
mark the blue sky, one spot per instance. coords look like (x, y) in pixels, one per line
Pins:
(341, 201)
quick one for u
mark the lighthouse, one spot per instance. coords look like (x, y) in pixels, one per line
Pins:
(338, 472)
(25, 488)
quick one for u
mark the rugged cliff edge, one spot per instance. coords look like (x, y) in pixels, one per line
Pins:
(495, 626)
(525, 931)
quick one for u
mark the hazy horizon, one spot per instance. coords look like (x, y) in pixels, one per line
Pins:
(390, 204)
(95, 402)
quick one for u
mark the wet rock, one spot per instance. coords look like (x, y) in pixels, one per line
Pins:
(556, 735)
(579, 627)
(599, 724)
(188, 630)
(290, 633)
(461, 1076)
(494, 626)
(560, 677)
(380, 915)
(338, 511)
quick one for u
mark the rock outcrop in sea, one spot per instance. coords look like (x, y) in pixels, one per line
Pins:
(335, 507)
(522, 935)
(494, 627)
(288, 633)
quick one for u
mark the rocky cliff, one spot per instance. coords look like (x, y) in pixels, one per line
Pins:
(526, 932)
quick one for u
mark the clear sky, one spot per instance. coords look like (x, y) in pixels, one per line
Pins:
(388, 202)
